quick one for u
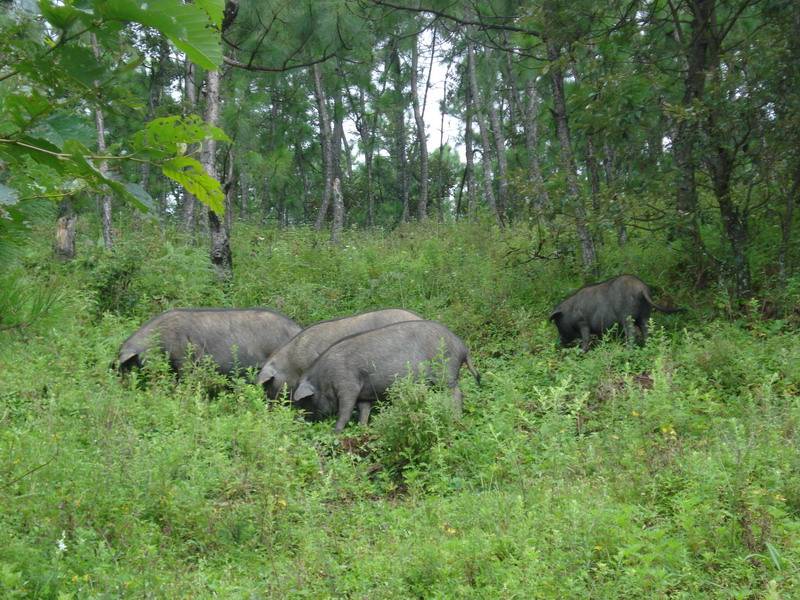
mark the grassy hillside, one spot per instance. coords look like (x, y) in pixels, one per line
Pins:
(666, 471)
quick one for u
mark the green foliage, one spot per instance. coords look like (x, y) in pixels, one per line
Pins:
(189, 26)
(53, 83)
(664, 471)
(413, 431)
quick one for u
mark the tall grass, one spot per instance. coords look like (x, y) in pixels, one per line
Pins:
(665, 471)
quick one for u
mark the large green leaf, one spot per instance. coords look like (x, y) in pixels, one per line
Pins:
(82, 167)
(167, 136)
(191, 27)
(190, 174)
(60, 126)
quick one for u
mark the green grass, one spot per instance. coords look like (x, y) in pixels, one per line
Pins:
(670, 471)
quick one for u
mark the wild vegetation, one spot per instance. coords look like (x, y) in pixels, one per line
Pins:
(667, 470)
(658, 138)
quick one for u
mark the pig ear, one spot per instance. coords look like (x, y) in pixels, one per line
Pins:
(554, 315)
(125, 357)
(267, 373)
(304, 390)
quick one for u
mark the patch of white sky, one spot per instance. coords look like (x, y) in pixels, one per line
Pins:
(449, 131)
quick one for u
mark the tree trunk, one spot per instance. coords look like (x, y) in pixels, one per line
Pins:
(229, 187)
(486, 146)
(325, 143)
(593, 172)
(440, 174)
(787, 219)
(517, 111)
(64, 246)
(734, 221)
(154, 96)
(422, 203)
(500, 149)
(401, 162)
(190, 91)
(244, 195)
(338, 141)
(469, 169)
(567, 158)
(531, 121)
(221, 256)
(687, 131)
(338, 212)
(108, 241)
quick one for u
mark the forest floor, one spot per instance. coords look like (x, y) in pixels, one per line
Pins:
(670, 470)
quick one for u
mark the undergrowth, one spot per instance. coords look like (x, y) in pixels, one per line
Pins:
(670, 470)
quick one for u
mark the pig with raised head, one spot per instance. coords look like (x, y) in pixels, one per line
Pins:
(592, 310)
(284, 368)
(359, 369)
(233, 338)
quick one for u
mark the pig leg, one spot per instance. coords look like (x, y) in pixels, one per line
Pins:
(642, 323)
(630, 332)
(458, 401)
(347, 403)
(363, 412)
(584, 328)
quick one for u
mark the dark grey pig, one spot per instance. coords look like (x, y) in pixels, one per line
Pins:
(233, 338)
(285, 367)
(360, 368)
(595, 308)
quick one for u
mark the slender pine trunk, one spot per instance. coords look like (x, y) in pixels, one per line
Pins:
(190, 94)
(485, 145)
(326, 145)
(221, 257)
(567, 159)
(108, 240)
(422, 202)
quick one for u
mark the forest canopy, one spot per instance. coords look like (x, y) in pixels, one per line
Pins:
(591, 121)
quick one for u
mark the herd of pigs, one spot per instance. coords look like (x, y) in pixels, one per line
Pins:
(334, 366)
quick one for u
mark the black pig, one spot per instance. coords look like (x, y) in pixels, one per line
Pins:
(360, 368)
(288, 363)
(593, 309)
(233, 338)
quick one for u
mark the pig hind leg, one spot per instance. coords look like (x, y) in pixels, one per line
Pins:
(347, 396)
(630, 331)
(364, 408)
(454, 367)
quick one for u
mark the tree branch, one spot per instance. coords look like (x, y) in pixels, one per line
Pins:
(283, 68)
(479, 24)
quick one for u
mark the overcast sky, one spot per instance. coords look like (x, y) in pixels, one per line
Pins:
(433, 118)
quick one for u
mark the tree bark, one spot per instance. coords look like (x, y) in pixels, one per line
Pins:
(734, 220)
(687, 130)
(440, 174)
(64, 246)
(469, 169)
(221, 257)
(190, 91)
(338, 143)
(338, 212)
(154, 96)
(531, 121)
(787, 219)
(422, 202)
(500, 149)
(567, 158)
(486, 146)
(108, 240)
(401, 162)
(326, 144)
(229, 187)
